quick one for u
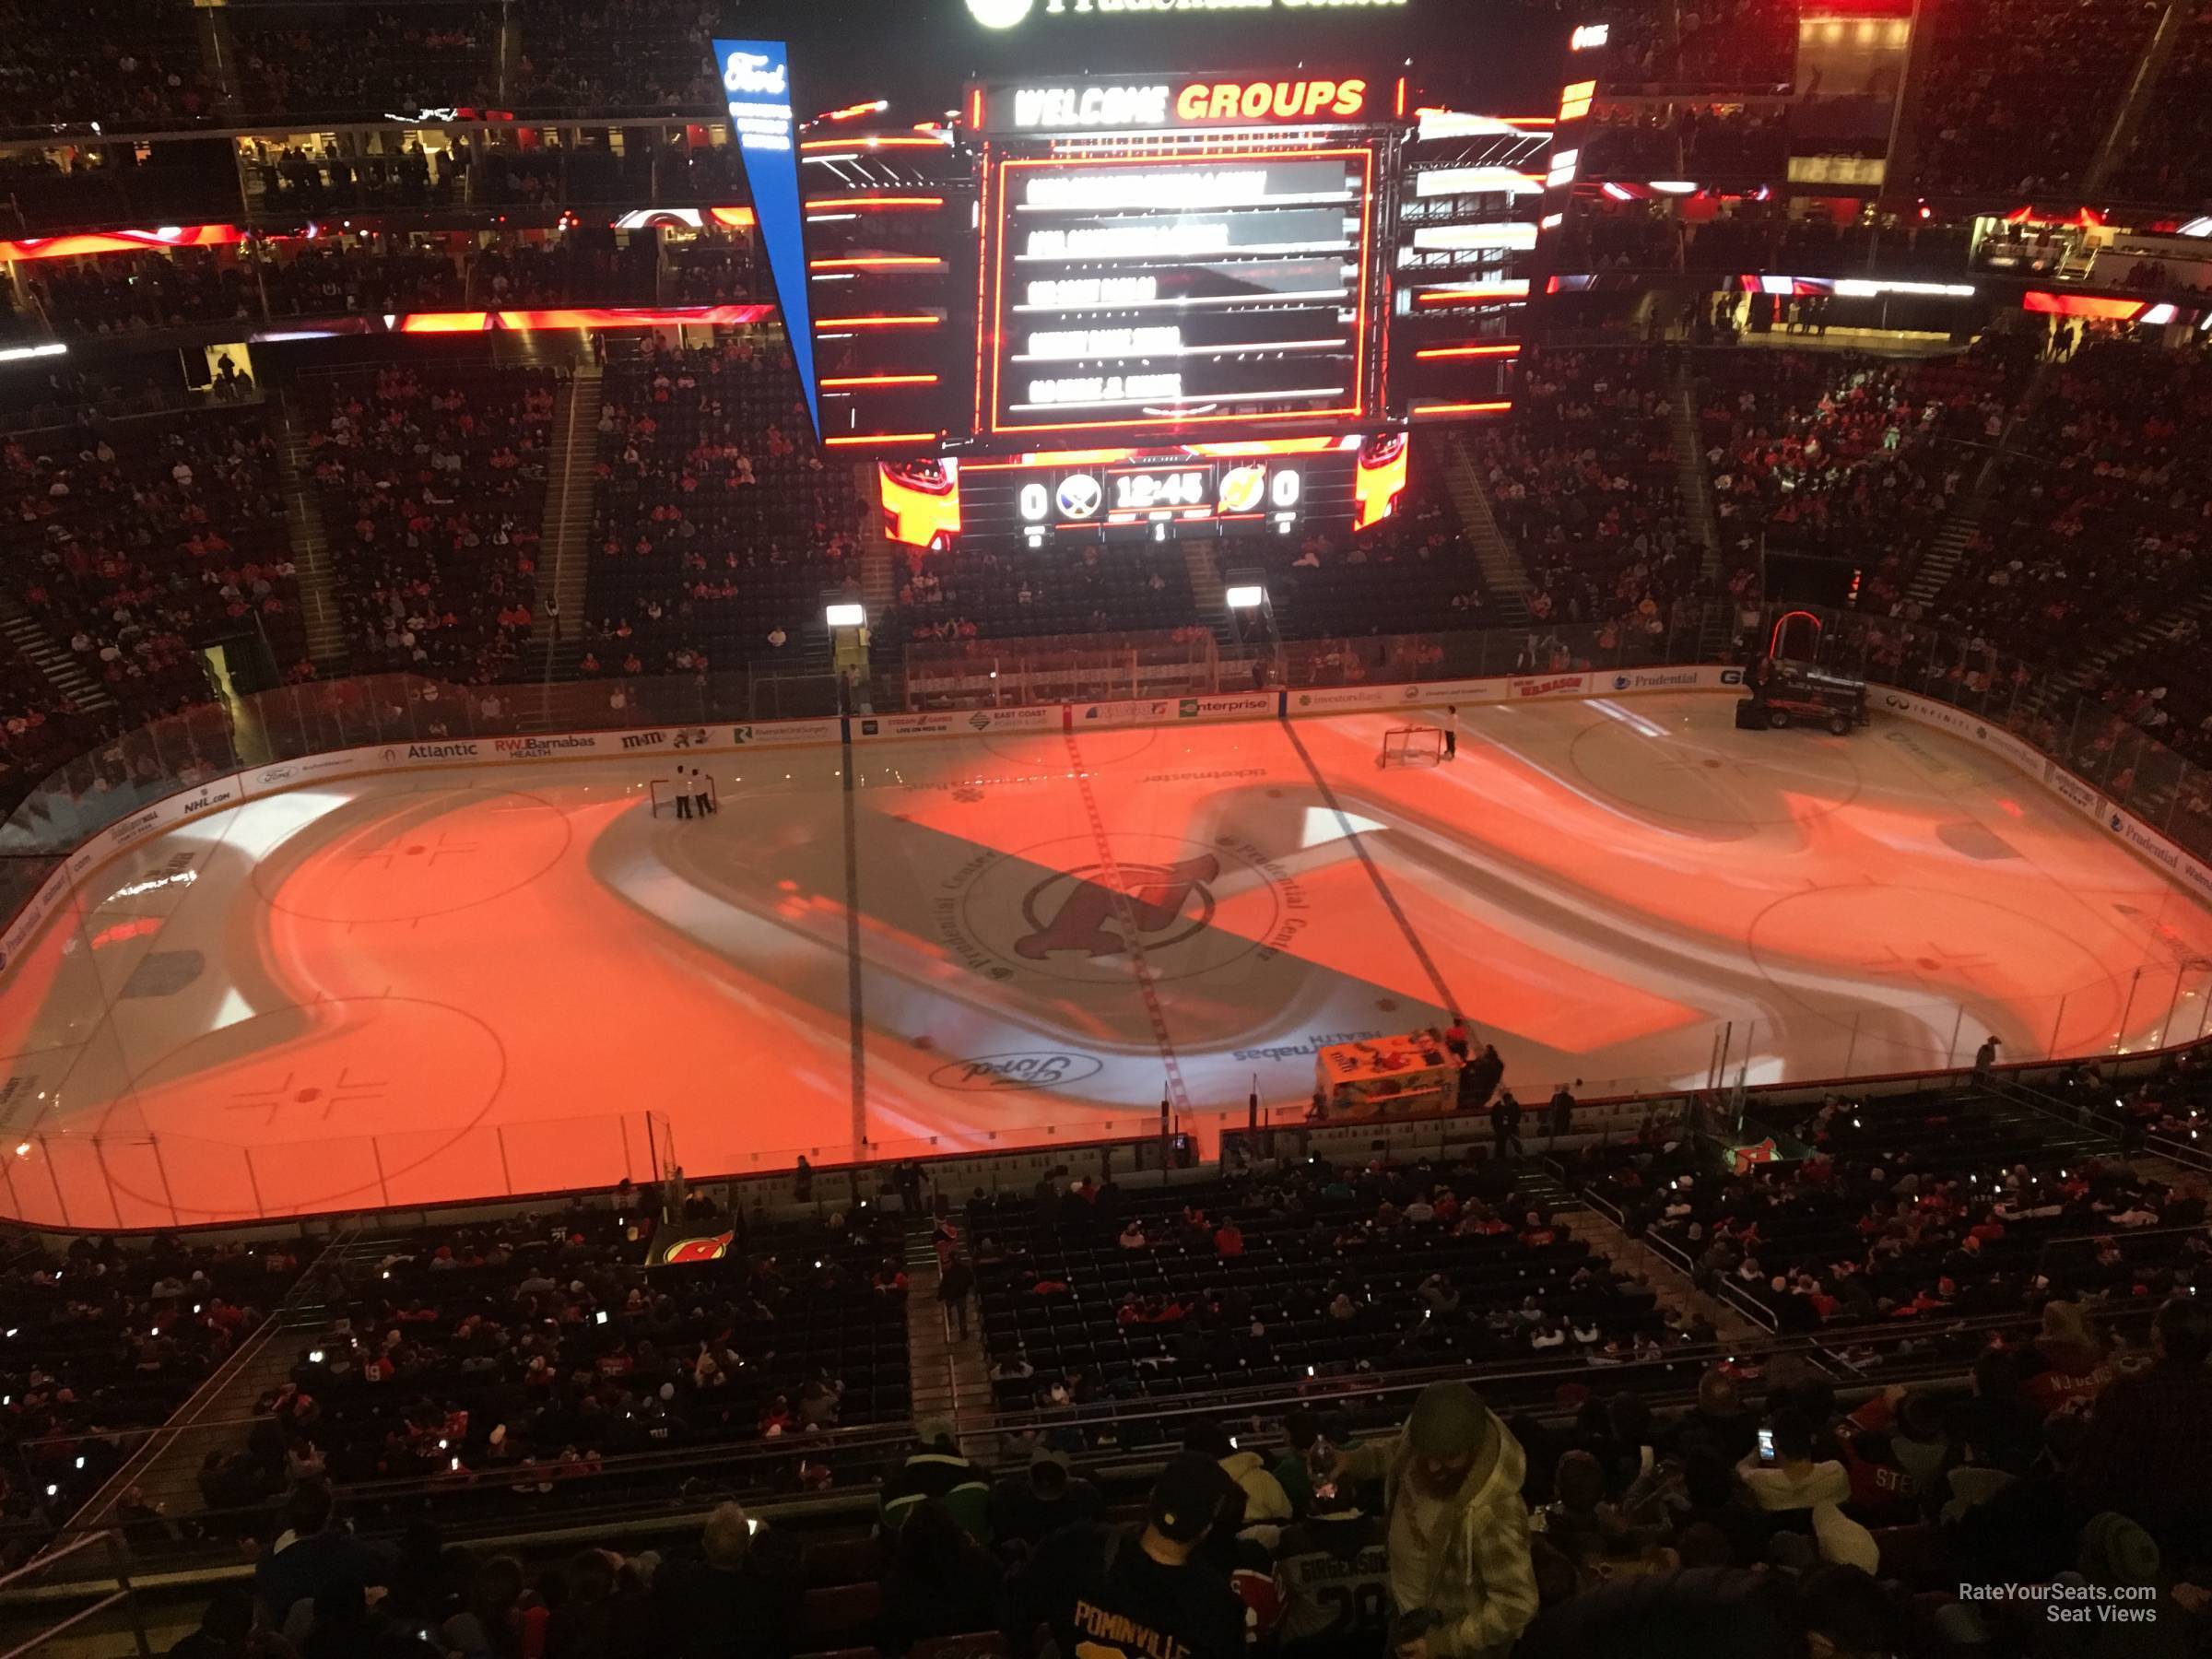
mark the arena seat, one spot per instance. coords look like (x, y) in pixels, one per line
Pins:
(435, 556)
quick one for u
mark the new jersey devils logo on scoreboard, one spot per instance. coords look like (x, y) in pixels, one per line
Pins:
(1167, 904)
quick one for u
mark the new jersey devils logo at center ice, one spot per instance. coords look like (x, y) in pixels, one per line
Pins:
(1158, 901)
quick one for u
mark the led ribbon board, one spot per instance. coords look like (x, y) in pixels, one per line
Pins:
(755, 77)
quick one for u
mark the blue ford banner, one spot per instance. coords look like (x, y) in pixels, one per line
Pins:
(756, 75)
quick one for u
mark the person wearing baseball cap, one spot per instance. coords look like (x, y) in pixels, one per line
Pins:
(1106, 1591)
(1460, 1574)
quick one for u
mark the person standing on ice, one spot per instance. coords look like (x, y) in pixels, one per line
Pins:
(1452, 732)
(683, 794)
(702, 794)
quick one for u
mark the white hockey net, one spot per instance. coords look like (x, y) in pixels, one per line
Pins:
(1412, 746)
(665, 791)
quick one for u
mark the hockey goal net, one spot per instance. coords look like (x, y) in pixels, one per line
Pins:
(1412, 746)
(665, 791)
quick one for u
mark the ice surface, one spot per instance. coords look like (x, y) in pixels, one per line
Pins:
(457, 984)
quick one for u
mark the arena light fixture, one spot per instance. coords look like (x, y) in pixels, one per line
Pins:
(1247, 596)
(1861, 288)
(16, 354)
(846, 616)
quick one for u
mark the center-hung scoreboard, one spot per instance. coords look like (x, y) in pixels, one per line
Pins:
(1155, 305)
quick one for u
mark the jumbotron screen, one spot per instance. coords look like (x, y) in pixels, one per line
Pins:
(1172, 304)
(1177, 292)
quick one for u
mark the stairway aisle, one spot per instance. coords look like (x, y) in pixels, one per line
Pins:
(1503, 571)
(165, 1464)
(571, 489)
(326, 644)
(28, 635)
(1957, 528)
(1667, 1282)
(950, 1377)
(1688, 440)
(878, 560)
(1208, 596)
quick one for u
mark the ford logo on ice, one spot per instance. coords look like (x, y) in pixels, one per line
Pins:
(997, 1073)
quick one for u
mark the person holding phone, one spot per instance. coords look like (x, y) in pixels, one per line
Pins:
(1785, 1473)
(1461, 1582)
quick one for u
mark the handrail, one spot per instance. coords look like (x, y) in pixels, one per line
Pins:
(210, 1390)
(47, 1559)
(2163, 1146)
(39, 1641)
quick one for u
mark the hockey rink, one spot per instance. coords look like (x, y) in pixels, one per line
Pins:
(474, 980)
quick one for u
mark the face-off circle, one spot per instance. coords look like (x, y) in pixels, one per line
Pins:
(332, 1102)
(427, 854)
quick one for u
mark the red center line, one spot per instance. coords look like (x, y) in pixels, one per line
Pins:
(1147, 986)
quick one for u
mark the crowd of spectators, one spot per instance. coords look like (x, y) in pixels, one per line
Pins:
(99, 1340)
(145, 538)
(139, 66)
(334, 175)
(365, 274)
(2169, 157)
(500, 1366)
(1413, 570)
(2027, 93)
(93, 187)
(40, 727)
(643, 55)
(1925, 1209)
(506, 1361)
(1302, 1276)
(964, 592)
(433, 481)
(124, 293)
(130, 65)
(1770, 1520)
(1738, 45)
(1844, 454)
(1748, 235)
(717, 522)
(357, 273)
(1711, 143)
(2095, 530)
(1586, 480)
(359, 59)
